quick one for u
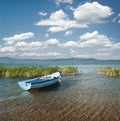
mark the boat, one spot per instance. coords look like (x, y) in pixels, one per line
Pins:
(40, 82)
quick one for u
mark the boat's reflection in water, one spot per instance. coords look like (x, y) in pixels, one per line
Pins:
(27, 94)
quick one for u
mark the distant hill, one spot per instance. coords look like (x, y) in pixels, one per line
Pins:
(62, 61)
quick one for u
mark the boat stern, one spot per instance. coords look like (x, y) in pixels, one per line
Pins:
(24, 85)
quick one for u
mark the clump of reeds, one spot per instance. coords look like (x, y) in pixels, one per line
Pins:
(30, 72)
(69, 70)
(109, 71)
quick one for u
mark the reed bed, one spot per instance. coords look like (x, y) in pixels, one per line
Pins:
(109, 71)
(30, 72)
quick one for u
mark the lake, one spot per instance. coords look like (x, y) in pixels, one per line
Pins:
(87, 97)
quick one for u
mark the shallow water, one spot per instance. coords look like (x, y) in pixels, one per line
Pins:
(88, 97)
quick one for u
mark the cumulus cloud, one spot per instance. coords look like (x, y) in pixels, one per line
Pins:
(59, 21)
(30, 44)
(84, 15)
(35, 45)
(18, 37)
(7, 49)
(56, 19)
(69, 44)
(91, 44)
(57, 29)
(52, 42)
(94, 39)
(89, 40)
(36, 49)
(63, 1)
(42, 13)
(90, 13)
(58, 15)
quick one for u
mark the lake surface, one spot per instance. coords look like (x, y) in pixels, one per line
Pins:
(87, 97)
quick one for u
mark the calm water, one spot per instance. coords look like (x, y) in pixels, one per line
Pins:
(88, 97)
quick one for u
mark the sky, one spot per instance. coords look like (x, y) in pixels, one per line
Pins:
(51, 29)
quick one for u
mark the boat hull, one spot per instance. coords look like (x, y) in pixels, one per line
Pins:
(40, 82)
(44, 84)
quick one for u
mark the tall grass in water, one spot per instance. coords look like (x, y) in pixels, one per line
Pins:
(109, 71)
(30, 72)
(69, 70)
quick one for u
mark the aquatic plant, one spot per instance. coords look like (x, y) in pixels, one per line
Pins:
(34, 71)
(69, 70)
(109, 71)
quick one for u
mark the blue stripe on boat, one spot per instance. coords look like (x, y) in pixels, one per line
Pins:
(37, 82)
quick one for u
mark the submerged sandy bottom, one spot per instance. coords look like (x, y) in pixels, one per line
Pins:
(59, 109)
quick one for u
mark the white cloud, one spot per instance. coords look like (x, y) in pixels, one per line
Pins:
(93, 39)
(59, 21)
(36, 49)
(63, 1)
(116, 19)
(58, 15)
(18, 37)
(111, 47)
(68, 33)
(56, 19)
(84, 15)
(30, 44)
(35, 45)
(46, 35)
(56, 29)
(71, 8)
(7, 49)
(90, 13)
(40, 55)
(119, 21)
(42, 13)
(68, 44)
(72, 51)
(91, 44)
(52, 42)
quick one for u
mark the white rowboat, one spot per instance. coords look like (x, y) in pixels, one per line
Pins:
(40, 82)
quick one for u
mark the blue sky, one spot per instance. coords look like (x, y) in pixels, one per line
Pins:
(49, 29)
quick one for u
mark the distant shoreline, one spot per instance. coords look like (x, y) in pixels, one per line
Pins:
(60, 61)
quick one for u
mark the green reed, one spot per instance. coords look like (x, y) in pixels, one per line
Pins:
(34, 71)
(109, 71)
